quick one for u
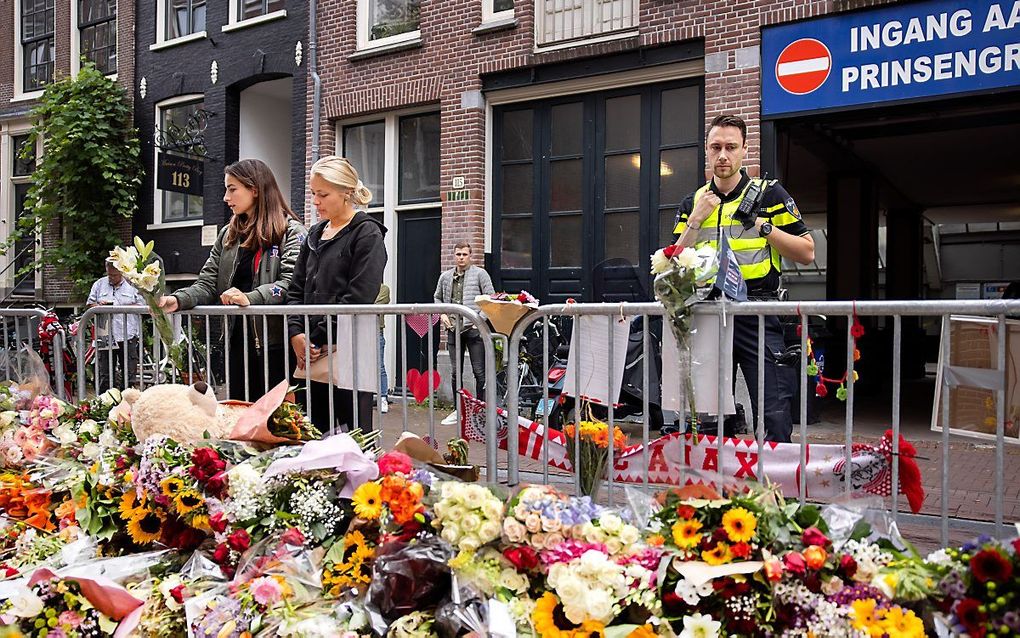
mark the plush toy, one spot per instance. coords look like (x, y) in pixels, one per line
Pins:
(182, 412)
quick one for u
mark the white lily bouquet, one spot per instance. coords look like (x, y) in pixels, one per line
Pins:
(142, 267)
(679, 273)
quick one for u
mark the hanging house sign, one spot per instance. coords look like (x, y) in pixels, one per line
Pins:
(179, 174)
(179, 165)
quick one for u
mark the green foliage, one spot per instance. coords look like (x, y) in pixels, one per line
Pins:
(88, 177)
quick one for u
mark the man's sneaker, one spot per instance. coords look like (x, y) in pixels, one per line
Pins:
(451, 419)
(384, 406)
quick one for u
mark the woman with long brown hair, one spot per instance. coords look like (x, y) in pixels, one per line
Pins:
(251, 263)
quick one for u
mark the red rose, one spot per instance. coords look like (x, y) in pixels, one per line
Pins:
(294, 537)
(218, 522)
(221, 554)
(847, 566)
(672, 251)
(177, 593)
(685, 512)
(198, 473)
(814, 536)
(203, 456)
(523, 558)
(795, 563)
(216, 484)
(239, 540)
(740, 550)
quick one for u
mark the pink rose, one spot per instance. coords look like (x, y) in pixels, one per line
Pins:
(395, 463)
(814, 536)
(795, 563)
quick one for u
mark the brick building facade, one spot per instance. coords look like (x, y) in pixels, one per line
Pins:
(57, 33)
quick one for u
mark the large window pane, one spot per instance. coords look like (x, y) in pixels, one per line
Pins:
(174, 124)
(623, 123)
(567, 129)
(622, 237)
(184, 17)
(518, 188)
(679, 174)
(518, 133)
(680, 116)
(365, 147)
(37, 27)
(255, 8)
(391, 17)
(24, 249)
(419, 158)
(516, 244)
(667, 222)
(565, 249)
(99, 45)
(623, 181)
(502, 5)
(20, 146)
(566, 183)
(90, 11)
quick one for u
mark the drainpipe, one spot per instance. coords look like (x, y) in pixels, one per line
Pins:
(313, 66)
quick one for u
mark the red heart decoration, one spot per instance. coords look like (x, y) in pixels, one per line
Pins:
(418, 382)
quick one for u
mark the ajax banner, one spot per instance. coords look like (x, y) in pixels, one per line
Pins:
(902, 52)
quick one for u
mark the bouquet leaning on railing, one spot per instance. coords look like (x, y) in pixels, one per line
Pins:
(588, 451)
(142, 267)
(679, 272)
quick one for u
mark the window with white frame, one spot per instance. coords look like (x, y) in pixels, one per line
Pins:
(397, 158)
(97, 33)
(22, 162)
(497, 10)
(38, 49)
(174, 119)
(183, 18)
(251, 9)
(382, 22)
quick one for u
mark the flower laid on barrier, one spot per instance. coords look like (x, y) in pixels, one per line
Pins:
(142, 267)
(679, 273)
(505, 309)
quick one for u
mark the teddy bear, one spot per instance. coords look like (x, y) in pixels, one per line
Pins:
(182, 412)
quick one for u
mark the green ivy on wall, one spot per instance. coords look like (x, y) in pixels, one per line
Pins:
(88, 178)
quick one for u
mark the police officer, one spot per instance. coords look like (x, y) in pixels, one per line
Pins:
(778, 232)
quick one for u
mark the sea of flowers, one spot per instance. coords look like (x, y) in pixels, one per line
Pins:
(104, 535)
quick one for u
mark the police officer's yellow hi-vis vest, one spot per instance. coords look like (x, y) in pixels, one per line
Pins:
(753, 253)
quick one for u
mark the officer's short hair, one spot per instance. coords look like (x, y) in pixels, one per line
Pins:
(463, 244)
(728, 120)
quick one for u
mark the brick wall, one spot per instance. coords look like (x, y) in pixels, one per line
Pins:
(452, 59)
(56, 288)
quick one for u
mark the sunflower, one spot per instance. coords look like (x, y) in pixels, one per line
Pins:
(718, 555)
(188, 501)
(145, 526)
(550, 622)
(129, 505)
(200, 522)
(367, 503)
(901, 622)
(739, 525)
(685, 534)
(171, 485)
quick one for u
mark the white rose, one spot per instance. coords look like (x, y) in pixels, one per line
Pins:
(614, 545)
(8, 418)
(629, 535)
(470, 523)
(65, 435)
(659, 262)
(440, 509)
(456, 512)
(450, 534)
(553, 540)
(533, 522)
(512, 580)
(538, 540)
(88, 426)
(515, 532)
(489, 531)
(91, 451)
(492, 509)
(108, 438)
(686, 258)
(25, 604)
(469, 544)
(600, 605)
(611, 524)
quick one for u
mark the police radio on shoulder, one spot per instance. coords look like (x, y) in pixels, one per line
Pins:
(747, 211)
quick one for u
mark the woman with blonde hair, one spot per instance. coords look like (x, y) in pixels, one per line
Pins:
(341, 262)
(250, 263)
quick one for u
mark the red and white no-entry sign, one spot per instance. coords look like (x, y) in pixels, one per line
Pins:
(803, 66)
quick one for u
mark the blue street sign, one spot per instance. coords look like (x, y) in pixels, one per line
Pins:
(901, 52)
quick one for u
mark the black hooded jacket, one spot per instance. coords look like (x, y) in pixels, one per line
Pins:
(346, 269)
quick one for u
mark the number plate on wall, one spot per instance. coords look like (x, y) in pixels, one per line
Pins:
(179, 174)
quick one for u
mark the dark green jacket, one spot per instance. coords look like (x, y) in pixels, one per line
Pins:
(272, 279)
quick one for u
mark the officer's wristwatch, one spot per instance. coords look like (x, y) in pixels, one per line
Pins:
(765, 229)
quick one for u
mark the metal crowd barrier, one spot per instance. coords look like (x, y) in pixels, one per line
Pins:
(829, 309)
(200, 333)
(20, 334)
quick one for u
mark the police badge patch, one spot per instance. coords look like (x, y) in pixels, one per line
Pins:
(792, 207)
